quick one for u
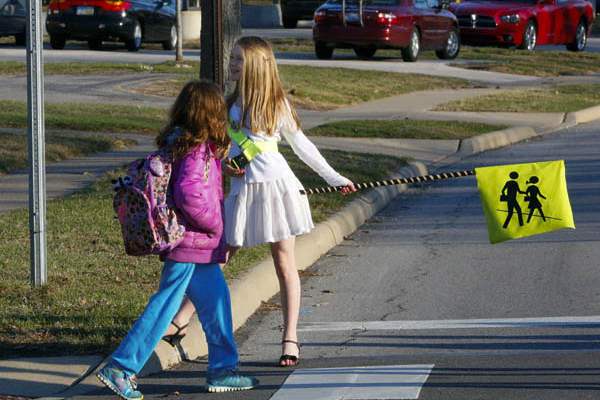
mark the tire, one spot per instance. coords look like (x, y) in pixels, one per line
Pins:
(172, 42)
(57, 42)
(529, 37)
(134, 43)
(452, 47)
(95, 44)
(410, 53)
(365, 53)
(290, 23)
(322, 51)
(20, 39)
(580, 40)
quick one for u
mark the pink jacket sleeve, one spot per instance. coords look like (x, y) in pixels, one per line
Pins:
(197, 197)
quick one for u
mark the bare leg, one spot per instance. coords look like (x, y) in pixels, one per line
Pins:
(289, 284)
(182, 317)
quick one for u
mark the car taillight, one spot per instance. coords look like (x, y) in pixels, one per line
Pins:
(320, 16)
(55, 6)
(117, 5)
(387, 19)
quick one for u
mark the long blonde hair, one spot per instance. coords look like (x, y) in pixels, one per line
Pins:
(259, 87)
(201, 113)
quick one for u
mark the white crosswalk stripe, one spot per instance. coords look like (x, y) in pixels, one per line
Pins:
(355, 383)
(544, 322)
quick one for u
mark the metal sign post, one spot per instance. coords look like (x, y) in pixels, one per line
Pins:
(37, 170)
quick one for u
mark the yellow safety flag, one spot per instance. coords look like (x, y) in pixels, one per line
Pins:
(521, 200)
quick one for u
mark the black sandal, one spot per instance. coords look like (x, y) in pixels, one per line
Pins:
(175, 338)
(295, 360)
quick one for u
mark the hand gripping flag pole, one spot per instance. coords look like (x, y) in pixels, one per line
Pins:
(388, 182)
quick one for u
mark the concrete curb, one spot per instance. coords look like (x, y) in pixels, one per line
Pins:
(494, 140)
(260, 283)
(583, 116)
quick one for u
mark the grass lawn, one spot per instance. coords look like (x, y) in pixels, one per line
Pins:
(14, 155)
(87, 117)
(564, 98)
(403, 129)
(513, 61)
(328, 88)
(99, 68)
(95, 291)
(538, 63)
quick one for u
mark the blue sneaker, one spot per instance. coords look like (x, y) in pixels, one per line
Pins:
(120, 382)
(230, 381)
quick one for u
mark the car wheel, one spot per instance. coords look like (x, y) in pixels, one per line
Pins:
(95, 44)
(322, 51)
(290, 22)
(411, 52)
(364, 53)
(134, 43)
(57, 42)
(20, 39)
(452, 47)
(172, 42)
(580, 40)
(529, 37)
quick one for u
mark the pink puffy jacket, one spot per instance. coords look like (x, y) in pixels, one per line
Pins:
(197, 189)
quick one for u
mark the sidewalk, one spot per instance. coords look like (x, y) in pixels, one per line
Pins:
(43, 377)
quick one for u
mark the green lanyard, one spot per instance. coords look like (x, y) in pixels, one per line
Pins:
(250, 148)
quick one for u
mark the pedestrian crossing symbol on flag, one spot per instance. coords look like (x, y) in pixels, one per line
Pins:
(521, 200)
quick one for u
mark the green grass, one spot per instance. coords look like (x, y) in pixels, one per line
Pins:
(101, 68)
(95, 291)
(513, 61)
(537, 63)
(328, 88)
(566, 98)
(403, 129)
(87, 117)
(14, 153)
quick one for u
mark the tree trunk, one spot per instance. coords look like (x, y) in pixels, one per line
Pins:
(220, 29)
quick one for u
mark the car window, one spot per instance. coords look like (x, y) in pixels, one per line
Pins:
(11, 7)
(421, 4)
(562, 2)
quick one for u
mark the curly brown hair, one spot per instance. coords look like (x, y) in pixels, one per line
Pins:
(201, 114)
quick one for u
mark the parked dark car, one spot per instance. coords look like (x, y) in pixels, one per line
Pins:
(409, 25)
(131, 21)
(294, 10)
(12, 20)
(525, 23)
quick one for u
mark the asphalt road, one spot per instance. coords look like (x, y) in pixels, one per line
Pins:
(426, 258)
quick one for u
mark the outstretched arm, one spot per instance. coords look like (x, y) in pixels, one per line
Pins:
(310, 155)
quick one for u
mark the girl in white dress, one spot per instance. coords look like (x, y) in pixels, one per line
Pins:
(264, 204)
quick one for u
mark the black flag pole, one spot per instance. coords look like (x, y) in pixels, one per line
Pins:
(394, 181)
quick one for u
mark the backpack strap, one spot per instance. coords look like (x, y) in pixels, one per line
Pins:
(249, 147)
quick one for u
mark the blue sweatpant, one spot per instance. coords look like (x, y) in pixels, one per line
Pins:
(206, 287)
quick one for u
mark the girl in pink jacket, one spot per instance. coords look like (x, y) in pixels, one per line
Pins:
(197, 139)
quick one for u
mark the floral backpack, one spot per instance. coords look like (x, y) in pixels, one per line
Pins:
(148, 221)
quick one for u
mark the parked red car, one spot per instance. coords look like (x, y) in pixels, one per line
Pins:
(409, 25)
(525, 23)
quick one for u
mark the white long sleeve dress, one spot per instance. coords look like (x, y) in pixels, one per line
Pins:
(265, 205)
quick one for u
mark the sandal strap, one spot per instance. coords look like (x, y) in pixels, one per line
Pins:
(179, 328)
(291, 341)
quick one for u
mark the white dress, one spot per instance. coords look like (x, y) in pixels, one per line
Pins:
(265, 204)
